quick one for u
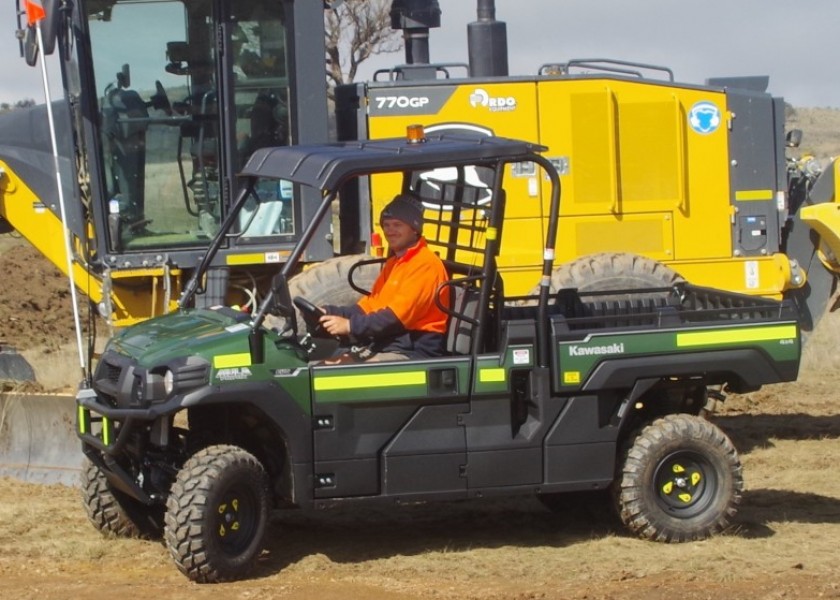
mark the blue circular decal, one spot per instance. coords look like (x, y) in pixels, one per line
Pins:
(704, 117)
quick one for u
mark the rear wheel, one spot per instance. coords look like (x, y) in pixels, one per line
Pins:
(113, 512)
(680, 480)
(216, 514)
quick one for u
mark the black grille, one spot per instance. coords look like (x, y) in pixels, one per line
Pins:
(110, 372)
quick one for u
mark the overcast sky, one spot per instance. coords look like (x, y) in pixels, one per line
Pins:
(792, 42)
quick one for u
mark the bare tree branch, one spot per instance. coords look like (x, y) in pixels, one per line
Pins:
(355, 31)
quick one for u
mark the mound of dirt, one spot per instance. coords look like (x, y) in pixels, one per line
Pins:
(35, 301)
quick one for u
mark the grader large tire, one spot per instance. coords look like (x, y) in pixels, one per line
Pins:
(113, 513)
(612, 271)
(679, 480)
(216, 514)
(327, 283)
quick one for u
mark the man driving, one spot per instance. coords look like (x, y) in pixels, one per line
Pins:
(399, 319)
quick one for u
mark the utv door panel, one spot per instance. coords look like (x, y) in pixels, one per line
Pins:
(580, 466)
(508, 420)
(389, 428)
(408, 468)
(580, 447)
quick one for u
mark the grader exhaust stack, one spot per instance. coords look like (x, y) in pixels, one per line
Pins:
(487, 43)
(415, 18)
(486, 37)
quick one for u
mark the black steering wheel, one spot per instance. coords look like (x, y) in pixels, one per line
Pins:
(311, 316)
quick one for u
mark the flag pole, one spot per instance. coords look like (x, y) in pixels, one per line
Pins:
(65, 228)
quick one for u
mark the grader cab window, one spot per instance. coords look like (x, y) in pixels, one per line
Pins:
(169, 152)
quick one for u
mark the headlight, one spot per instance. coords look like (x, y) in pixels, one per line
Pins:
(168, 382)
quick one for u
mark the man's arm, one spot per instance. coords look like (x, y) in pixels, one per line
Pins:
(362, 326)
(342, 311)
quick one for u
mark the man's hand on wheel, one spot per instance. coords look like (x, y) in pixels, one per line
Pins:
(335, 325)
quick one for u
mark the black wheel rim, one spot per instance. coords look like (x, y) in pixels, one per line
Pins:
(684, 484)
(236, 519)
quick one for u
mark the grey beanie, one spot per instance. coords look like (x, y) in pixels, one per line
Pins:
(406, 208)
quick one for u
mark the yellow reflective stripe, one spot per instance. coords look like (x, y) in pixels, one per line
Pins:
(492, 233)
(256, 258)
(378, 380)
(753, 334)
(491, 375)
(571, 377)
(83, 417)
(747, 195)
(228, 361)
(106, 431)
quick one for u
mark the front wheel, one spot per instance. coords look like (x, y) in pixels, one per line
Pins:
(680, 480)
(216, 514)
(112, 512)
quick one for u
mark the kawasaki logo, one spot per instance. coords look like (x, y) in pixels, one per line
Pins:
(596, 350)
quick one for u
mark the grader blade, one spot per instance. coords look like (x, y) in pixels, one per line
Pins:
(13, 367)
(38, 440)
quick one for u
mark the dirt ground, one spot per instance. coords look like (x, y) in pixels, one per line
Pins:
(35, 308)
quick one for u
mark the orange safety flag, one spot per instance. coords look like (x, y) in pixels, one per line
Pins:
(34, 11)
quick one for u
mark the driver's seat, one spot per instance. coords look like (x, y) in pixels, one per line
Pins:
(125, 118)
(462, 317)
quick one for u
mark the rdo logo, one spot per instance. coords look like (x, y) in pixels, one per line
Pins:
(704, 117)
(480, 97)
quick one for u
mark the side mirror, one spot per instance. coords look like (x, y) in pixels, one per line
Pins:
(49, 33)
(49, 25)
(793, 138)
(30, 47)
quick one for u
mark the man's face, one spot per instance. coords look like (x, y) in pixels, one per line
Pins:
(400, 235)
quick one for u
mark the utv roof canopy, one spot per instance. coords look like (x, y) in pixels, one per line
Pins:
(327, 166)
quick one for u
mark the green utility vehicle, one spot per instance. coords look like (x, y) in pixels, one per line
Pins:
(198, 423)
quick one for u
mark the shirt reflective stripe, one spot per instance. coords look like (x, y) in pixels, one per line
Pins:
(752, 334)
(378, 380)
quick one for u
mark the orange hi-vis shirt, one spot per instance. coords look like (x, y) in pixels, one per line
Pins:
(407, 285)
